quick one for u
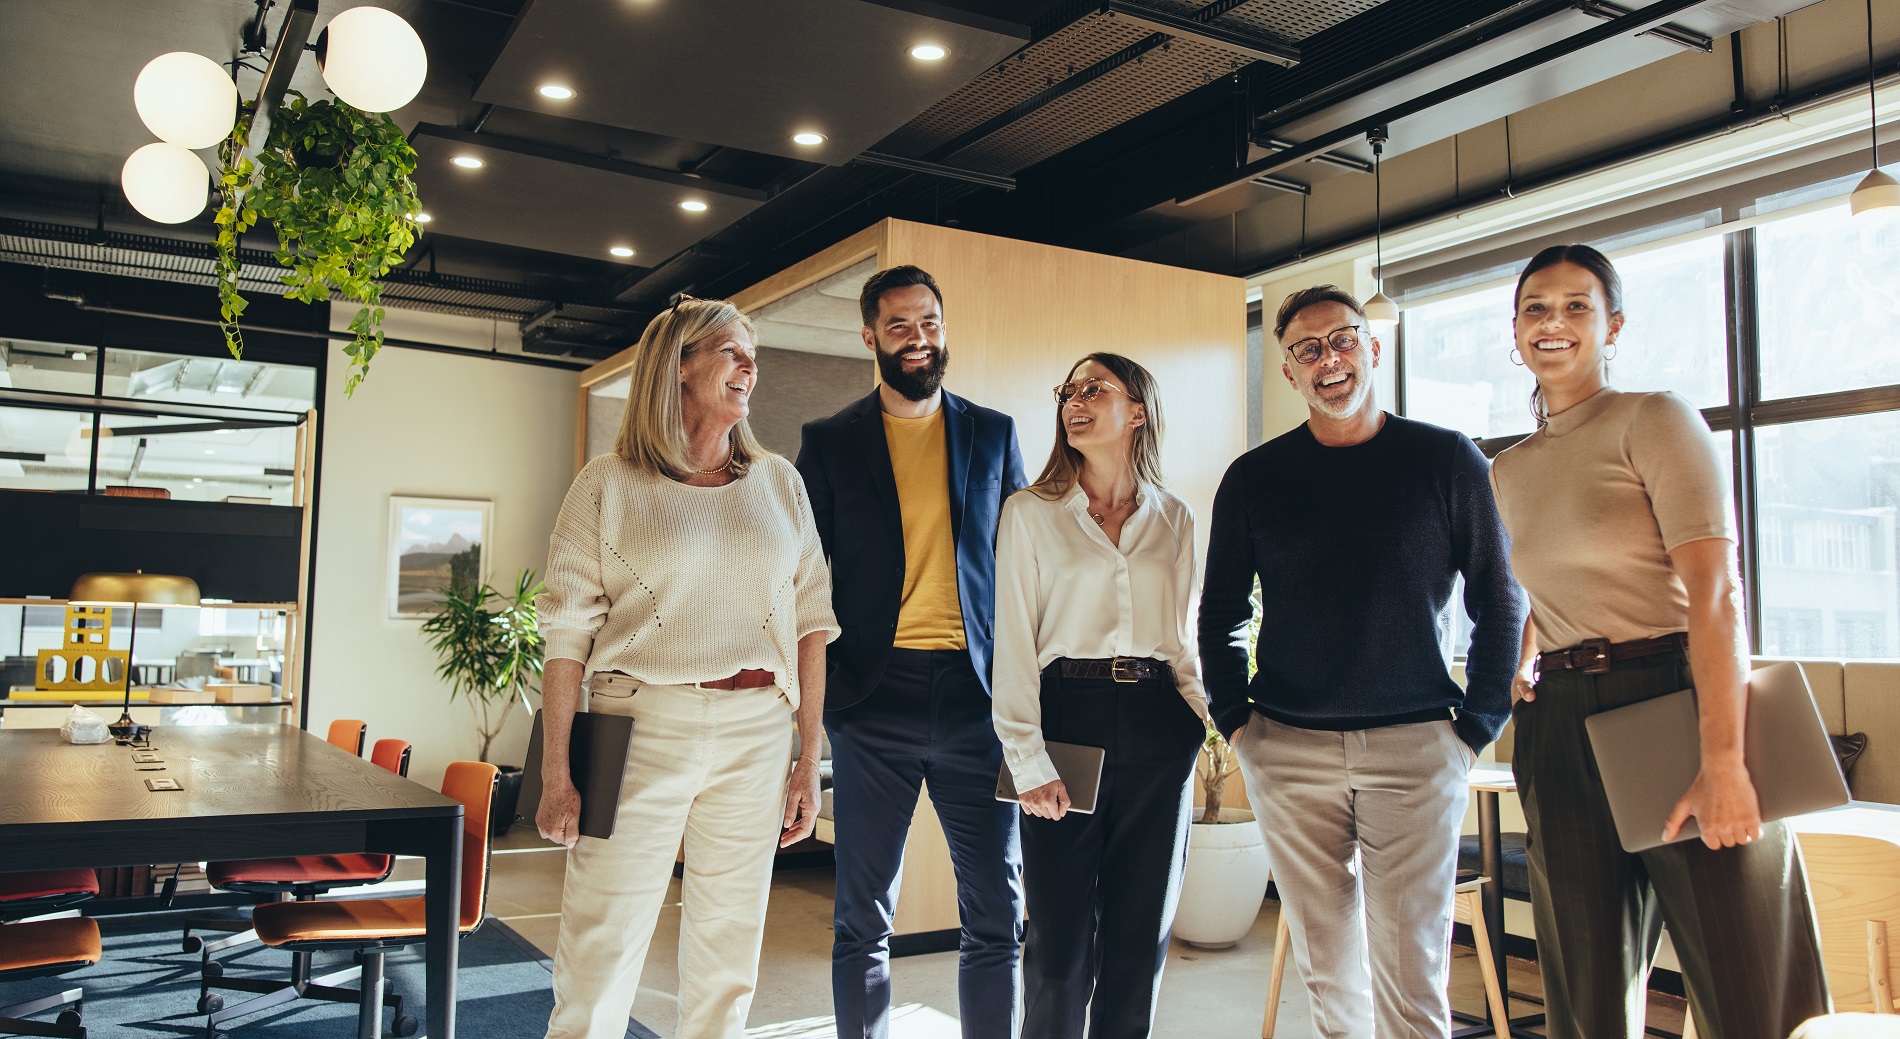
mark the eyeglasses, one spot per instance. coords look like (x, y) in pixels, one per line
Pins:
(1088, 390)
(1343, 340)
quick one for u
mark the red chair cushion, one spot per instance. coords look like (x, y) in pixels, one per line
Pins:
(335, 870)
(46, 883)
(45, 943)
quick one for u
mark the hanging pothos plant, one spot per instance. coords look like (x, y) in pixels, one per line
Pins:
(335, 183)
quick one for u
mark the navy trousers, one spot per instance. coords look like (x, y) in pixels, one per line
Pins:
(928, 721)
(1103, 887)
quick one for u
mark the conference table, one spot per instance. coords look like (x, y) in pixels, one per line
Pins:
(248, 791)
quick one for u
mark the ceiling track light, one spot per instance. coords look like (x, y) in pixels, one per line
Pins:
(1877, 190)
(1380, 311)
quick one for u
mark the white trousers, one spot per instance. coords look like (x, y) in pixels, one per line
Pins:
(1372, 937)
(707, 766)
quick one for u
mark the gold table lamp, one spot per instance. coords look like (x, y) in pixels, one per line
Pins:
(135, 589)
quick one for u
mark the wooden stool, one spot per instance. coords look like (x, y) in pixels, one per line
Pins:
(1467, 908)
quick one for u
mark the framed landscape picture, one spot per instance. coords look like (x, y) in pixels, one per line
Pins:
(434, 543)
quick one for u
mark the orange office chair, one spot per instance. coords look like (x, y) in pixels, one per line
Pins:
(347, 733)
(372, 926)
(302, 878)
(46, 947)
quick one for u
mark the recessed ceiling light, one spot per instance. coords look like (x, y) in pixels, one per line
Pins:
(468, 162)
(556, 91)
(808, 138)
(693, 205)
(209, 451)
(927, 52)
(422, 218)
(197, 479)
(78, 355)
(621, 251)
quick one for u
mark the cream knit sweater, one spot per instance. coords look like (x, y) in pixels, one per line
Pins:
(675, 584)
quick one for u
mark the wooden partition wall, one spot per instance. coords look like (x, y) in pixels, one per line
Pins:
(1017, 315)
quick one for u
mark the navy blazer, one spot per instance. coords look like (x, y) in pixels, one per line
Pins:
(846, 463)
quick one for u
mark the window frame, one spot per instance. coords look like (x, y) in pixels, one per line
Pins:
(1746, 410)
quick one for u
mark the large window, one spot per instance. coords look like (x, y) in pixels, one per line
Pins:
(1816, 308)
(1459, 370)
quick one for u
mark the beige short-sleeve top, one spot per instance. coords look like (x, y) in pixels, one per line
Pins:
(1595, 502)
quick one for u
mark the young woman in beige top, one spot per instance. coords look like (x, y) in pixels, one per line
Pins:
(1622, 533)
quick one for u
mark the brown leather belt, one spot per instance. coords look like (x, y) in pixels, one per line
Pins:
(742, 680)
(1115, 669)
(1596, 656)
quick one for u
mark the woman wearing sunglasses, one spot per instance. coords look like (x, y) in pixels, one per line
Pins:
(1095, 581)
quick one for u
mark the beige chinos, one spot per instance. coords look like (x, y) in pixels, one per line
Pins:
(708, 767)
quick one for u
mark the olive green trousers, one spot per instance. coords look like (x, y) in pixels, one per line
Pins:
(1740, 918)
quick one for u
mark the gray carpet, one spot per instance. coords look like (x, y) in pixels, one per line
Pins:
(146, 988)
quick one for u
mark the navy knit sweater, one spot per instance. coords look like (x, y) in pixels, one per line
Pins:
(1357, 549)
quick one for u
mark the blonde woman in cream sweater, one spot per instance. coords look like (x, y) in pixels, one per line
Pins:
(686, 588)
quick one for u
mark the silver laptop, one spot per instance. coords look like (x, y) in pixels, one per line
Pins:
(1648, 754)
(1078, 766)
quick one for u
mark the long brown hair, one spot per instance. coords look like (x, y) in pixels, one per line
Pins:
(653, 429)
(1590, 260)
(1065, 462)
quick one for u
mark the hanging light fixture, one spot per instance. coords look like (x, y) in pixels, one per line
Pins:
(1381, 312)
(166, 183)
(1877, 190)
(372, 59)
(186, 99)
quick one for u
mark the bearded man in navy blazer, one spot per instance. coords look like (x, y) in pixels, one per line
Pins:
(907, 485)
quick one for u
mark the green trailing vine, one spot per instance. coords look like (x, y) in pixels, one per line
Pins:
(335, 182)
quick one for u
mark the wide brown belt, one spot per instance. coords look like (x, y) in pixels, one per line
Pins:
(1116, 669)
(742, 680)
(1596, 656)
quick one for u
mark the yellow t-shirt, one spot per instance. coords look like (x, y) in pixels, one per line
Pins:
(931, 616)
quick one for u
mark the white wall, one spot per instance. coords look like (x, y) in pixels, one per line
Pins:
(433, 425)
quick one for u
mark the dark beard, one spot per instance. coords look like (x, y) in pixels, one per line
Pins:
(918, 385)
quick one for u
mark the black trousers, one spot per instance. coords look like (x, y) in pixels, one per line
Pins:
(1102, 888)
(1740, 918)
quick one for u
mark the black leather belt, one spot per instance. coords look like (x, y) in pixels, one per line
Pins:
(1114, 669)
(1597, 656)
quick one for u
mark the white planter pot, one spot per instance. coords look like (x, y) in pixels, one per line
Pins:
(1226, 880)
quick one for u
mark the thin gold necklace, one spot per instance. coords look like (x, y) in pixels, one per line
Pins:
(728, 463)
(1101, 518)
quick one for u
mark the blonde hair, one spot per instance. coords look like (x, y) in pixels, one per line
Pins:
(1065, 463)
(653, 430)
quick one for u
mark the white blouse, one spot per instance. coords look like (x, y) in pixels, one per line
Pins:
(1064, 590)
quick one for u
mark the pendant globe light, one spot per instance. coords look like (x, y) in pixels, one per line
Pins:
(372, 59)
(1381, 312)
(166, 183)
(1877, 190)
(186, 99)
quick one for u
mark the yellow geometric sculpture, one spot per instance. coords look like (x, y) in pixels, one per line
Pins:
(83, 663)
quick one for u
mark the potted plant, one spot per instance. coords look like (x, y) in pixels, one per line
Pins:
(490, 647)
(1227, 870)
(334, 181)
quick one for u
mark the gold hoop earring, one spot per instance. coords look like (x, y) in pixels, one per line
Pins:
(1516, 357)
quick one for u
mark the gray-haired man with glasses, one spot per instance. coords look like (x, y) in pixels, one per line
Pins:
(1353, 737)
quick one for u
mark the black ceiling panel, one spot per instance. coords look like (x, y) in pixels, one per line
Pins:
(536, 202)
(744, 74)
